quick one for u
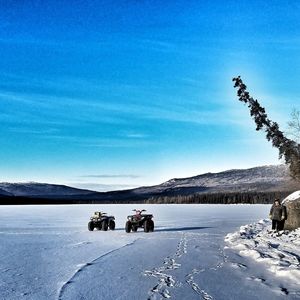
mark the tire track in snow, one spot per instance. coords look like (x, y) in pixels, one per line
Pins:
(86, 265)
(166, 281)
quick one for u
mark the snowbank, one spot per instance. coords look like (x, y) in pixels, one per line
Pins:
(280, 252)
(292, 204)
(292, 197)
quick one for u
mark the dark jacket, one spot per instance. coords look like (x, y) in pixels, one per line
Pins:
(277, 212)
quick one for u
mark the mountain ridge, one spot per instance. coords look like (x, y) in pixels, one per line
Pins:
(38, 189)
(269, 178)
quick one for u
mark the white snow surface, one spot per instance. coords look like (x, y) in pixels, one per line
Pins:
(279, 252)
(46, 252)
(292, 197)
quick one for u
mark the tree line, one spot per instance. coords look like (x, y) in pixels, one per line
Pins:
(198, 198)
(222, 198)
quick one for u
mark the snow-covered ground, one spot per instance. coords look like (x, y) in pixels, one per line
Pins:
(46, 252)
(279, 252)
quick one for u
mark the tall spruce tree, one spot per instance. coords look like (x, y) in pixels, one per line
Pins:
(288, 149)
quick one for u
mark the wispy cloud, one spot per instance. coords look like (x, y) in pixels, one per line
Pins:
(131, 176)
(101, 187)
(56, 108)
(34, 131)
(135, 135)
(96, 142)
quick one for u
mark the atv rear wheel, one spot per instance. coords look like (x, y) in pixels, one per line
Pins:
(104, 225)
(134, 228)
(90, 226)
(112, 225)
(151, 229)
(128, 226)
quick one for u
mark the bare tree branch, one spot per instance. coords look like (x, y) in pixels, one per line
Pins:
(294, 125)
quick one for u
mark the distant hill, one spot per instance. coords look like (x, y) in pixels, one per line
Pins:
(44, 190)
(4, 193)
(265, 179)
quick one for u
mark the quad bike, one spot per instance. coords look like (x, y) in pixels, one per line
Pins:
(139, 220)
(101, 221)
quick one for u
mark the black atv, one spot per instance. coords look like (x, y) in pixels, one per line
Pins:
(139, 220)
(101, 221)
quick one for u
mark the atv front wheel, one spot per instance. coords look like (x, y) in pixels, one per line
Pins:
(104, 225)
(112, 225)
(90, 226)
(128, 226)
(147, 226)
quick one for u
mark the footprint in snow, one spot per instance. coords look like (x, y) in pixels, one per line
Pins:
(272, 245)
(5, 270)
(195, 287)
(258, 279)
(284, 263)
(239, 265)
(165, 280)
(284, 291)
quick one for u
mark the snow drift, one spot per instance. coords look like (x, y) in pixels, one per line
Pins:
(292, 204)
(278, 251)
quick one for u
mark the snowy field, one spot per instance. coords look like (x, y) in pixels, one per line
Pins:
(196, 252)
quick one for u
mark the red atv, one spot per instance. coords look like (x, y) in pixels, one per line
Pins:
(139, 220)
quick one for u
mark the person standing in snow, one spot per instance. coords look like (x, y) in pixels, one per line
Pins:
(277, 215)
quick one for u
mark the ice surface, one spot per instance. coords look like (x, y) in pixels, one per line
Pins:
(46, 252)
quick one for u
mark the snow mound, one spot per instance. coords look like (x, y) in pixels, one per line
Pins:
(292, 197)
(279, 251)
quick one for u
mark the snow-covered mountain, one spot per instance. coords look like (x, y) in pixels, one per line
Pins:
(34, 189)
(265, 174)
(4, 193)
(253, 179)
(258, 179)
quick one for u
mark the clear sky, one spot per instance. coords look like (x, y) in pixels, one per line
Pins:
(117, 94)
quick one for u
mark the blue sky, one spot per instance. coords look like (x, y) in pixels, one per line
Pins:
(118, 94)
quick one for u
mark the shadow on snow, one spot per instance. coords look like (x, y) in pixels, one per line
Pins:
(163, 229)
(182, 228)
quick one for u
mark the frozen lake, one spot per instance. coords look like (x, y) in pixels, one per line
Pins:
(46, 252)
